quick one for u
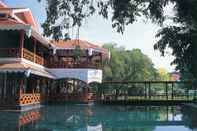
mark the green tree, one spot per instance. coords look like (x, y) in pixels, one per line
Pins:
(181, 36)
(128, 65)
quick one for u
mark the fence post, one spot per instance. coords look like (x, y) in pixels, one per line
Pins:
(166, 91)
(149, 88)
(172, 91)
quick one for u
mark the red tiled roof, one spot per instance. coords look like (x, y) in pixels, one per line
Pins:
(76, 42)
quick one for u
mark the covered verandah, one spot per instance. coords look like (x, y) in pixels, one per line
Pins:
(23, 85)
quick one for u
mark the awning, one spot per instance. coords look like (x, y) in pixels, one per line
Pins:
(26, 28)
(26, 69)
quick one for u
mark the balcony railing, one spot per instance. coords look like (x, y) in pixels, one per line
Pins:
(71, 64)
(39, 60)
(33, 57)
(28, 55)
(15, 53)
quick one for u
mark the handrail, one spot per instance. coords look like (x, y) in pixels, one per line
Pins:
(32, 57)
(28, 54)
(39, 60)
(71, 64)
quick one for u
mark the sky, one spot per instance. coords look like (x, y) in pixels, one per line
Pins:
(97, 30)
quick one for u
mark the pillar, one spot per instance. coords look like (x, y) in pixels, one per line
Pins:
(22, 34)
(21, 88)
(149, 90)
(101, 60)
(5, 83)
(34, 43)
(166, 91)
(145, 94)
(172, 91)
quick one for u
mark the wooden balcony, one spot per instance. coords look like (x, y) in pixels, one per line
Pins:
(72, 64)
(28, 55)
(16, 53)
(32, 57)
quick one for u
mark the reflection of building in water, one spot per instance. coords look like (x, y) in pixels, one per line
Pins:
(16, 121)
(28, 117)
(98, 118)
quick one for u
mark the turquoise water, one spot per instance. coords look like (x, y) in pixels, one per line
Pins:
(105, 118)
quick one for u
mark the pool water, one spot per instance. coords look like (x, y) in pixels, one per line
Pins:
(101, 118)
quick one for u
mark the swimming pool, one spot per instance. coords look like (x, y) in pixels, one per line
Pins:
(100, 117)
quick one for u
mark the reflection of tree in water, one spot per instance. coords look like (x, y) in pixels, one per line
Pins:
(112, 118)
(190, 116)
(131, 118)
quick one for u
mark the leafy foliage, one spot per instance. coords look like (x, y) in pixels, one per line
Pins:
(181, 37)
(128, 65)
(65, 14)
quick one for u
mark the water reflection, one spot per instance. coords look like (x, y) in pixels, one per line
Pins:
(105, 118)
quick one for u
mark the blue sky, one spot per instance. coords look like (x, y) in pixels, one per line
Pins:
(138, 35)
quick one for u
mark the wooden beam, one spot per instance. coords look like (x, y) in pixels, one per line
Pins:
(166, 90)
(22, 35)
(21, 89)
(172, 91)
(5, 83)
(149, 90)
(34, 43)
(145, 90)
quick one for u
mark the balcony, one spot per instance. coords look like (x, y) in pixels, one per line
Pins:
(16, 53)
(33, 57)
(72, 64)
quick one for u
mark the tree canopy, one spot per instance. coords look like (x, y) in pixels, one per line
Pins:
(128, 65)
(181, 36)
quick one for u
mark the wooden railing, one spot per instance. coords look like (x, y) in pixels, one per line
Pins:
(32, 57)
(39, 60)
(28, 55)
(16, 53)
(29, 99)
(9, 52)
(71, 64)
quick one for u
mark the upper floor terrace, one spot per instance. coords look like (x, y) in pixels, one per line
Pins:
(70, 54)
(19, 41)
